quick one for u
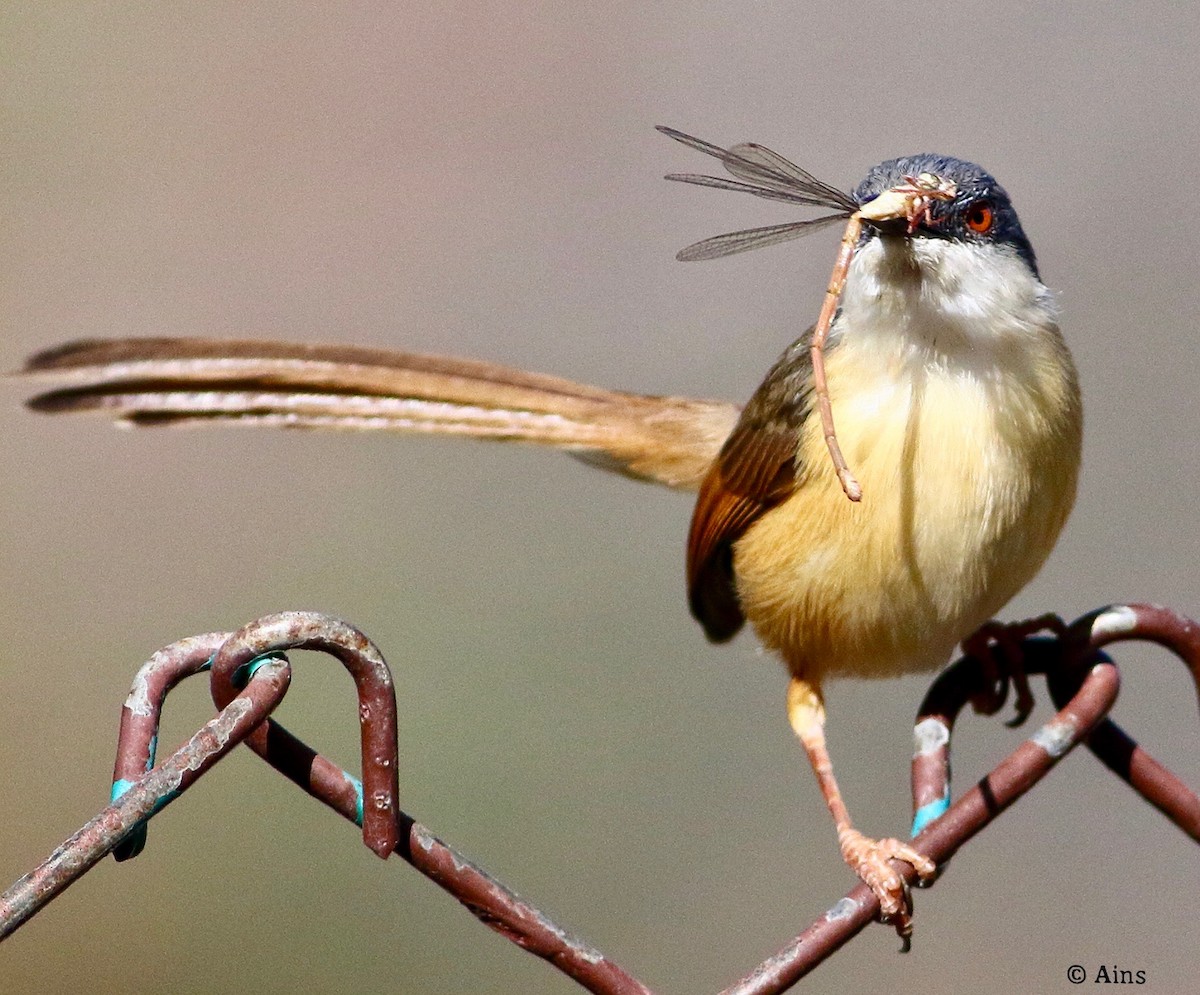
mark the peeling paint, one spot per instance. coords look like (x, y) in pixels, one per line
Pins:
(843, 910)
(558, 932)
(424, 838)
(1118, 620)
(1056, 736)
(173, 779)
(582, 949)
(929, 735)
(139, 703)
(587, 953)
(234, 711)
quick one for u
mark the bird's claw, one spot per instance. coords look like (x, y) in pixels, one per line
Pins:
(871, 860)
(998, 674)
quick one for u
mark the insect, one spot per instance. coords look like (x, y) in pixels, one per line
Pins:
(769, 175)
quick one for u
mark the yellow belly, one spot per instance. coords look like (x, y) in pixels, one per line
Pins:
(967, 481)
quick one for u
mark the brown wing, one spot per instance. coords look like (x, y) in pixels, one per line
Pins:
(755, 471)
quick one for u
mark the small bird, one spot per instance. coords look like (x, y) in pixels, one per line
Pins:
(957, 406)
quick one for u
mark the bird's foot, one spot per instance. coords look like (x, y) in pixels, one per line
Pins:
(871, 861)
(1009, 666)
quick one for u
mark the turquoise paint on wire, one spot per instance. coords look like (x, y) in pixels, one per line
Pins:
(122, 785)
(119, 787)
(135, 842)
(927, 813)
(358, 797)
(241, 676)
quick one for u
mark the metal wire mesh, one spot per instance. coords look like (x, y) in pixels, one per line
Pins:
(250, 675)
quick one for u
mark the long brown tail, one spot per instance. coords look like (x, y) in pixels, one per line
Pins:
(668, 440)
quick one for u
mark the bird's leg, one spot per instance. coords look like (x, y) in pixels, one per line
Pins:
(868, 858)
(998, 673)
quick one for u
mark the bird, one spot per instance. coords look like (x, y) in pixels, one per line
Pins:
(957, 402)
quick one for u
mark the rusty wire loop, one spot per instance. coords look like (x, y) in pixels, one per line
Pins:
(1116, 750)
(376, 798)
(486, 898)
(1083, 684)
(151, 792)
(142, 712)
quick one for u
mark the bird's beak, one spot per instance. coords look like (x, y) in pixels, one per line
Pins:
(909, 204)
(890, 226)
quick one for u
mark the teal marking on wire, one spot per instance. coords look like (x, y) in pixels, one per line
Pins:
(358, 797)
(135, 842)
(241, 676)
(927, 813)
(119, 787)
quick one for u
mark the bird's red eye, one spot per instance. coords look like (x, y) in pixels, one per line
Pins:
(980, 217)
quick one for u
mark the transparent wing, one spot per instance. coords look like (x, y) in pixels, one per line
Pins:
(752, 238)
(773, 170)
(759, 166)
(767, 192)
(699, 144)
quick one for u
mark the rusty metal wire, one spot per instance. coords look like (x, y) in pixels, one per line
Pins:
(250, 676)
(152, 792)
(1117, 751)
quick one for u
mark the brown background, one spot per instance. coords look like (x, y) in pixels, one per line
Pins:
(483, 179)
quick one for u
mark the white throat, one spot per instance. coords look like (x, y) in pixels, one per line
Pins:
(957, 305)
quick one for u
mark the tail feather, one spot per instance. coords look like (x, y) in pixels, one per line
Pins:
(145, 382)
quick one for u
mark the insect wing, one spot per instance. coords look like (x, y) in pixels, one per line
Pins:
(786, 194)
(752, 238)
(759, 164)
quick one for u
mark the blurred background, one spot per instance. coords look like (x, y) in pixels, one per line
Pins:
(484, 180)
